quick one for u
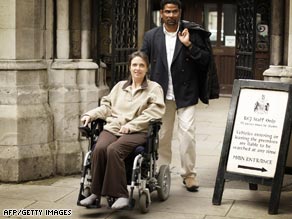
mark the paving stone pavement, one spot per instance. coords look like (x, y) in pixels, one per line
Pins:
(238, 202)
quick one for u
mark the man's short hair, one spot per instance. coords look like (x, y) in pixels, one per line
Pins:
(175, 2)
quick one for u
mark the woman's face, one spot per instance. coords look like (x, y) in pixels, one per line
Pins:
(138, 69)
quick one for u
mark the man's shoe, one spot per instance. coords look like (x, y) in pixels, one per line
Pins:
(191, 184)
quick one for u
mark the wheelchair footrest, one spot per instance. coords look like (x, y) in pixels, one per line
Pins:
(132, 202)
(110, 201)
(96, 204)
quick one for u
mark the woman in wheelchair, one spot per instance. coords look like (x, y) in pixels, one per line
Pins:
(127, 111)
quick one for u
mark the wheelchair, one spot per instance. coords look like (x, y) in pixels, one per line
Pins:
(141, 168)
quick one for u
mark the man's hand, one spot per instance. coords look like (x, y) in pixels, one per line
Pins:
(184, 37)
(85, 120)
(124, 130)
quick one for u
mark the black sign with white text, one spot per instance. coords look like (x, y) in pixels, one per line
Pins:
(257, 132)
(257, 138)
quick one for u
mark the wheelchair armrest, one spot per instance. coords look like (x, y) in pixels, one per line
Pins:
(95, 127)
(152, 136)
(98, 124)
(155, 122)
(85, 131)
(154, 127)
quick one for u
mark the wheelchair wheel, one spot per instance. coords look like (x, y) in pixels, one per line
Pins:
(144, 203)
(163, 182)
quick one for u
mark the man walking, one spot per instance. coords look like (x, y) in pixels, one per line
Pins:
(180, 61)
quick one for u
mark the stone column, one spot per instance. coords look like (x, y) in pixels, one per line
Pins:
(49, 30)
(89, 92)
(289, 47)
(64, 102)
(85, 29)
(26, 121)
(143, 24)
(286, 75)
(277, 42)
(87, 69)
(64, 98)
(63, 40)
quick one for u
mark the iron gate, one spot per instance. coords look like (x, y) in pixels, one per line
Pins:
(253, 19)
(124, 37)
(245, 39)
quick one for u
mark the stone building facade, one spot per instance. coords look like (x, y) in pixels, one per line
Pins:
(280, 69)
(46, 82)
(48, 78)
(281, 42)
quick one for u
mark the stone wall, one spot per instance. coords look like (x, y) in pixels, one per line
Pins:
(26, 122)
(41, 98)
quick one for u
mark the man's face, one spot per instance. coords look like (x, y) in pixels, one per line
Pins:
(170, 15)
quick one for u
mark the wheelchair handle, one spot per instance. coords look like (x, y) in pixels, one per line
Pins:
(85, 131)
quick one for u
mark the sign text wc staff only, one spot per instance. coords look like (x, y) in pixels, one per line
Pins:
(257, 138)
(257, 132)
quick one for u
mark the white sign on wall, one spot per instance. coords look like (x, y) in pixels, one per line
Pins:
(257, 132)
(230, 41)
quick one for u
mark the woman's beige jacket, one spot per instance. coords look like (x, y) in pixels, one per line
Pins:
(133, 109)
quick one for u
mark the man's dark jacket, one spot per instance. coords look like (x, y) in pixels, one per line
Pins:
(193, 70)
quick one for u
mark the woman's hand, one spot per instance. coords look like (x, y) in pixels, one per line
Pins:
(124, 130)
(85, 120)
